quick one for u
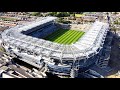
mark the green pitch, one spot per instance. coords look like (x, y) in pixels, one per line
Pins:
(64, 36)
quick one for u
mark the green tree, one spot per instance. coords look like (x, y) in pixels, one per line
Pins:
(115, 13)
(59, 14)
(2, 49)
(63, 14)
(61, 20)
(52, 13)
(36, 14)
(117, 22)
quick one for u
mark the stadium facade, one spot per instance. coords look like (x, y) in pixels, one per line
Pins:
(27, 44)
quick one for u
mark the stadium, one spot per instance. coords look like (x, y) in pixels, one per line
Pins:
(62, 51)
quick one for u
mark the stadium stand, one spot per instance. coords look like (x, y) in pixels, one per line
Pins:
(83, 53)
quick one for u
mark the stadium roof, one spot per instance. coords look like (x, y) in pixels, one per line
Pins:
(35, 24)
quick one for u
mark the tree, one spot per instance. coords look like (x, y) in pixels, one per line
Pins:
(36, 14)
(61, 20)
(59, 14)
(115, 13)
(117, 22)
(2, 49)
(52, 13)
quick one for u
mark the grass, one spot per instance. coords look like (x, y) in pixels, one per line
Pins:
(2, 49)
(79, 15)
(7, 19)
(65, 36)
